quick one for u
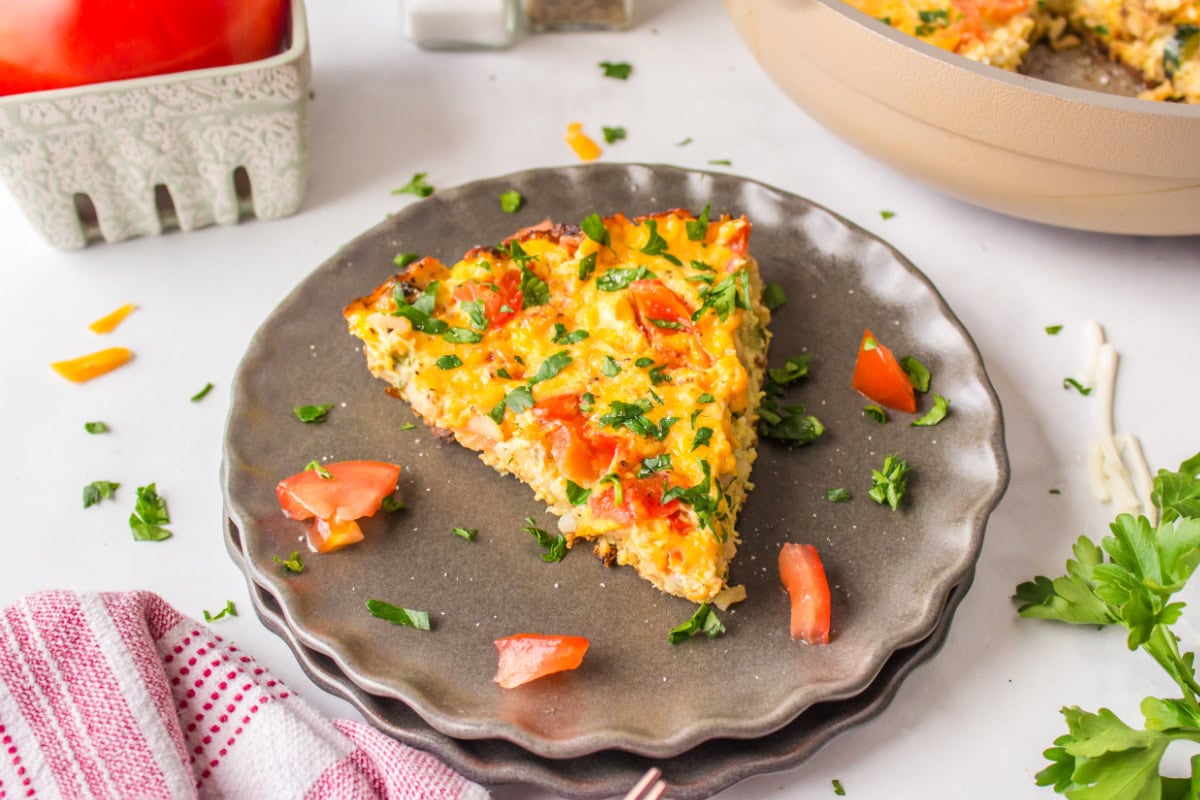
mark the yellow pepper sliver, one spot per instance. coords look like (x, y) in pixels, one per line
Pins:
(581, 143)
(109, 322)
(93, 365)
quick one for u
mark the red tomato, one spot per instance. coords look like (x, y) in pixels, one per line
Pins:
(667, 322)
(527, 656)
(501, 300)
(803, 576)
(640, 498)
(49, 44)
(879, 376)
(356, 489)
(582, 453)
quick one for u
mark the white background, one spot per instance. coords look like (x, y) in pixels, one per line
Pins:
(970, 723)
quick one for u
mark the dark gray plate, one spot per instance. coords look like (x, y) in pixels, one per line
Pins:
(698, 773)
(891, 572)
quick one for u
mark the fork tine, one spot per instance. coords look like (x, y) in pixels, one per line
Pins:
(649, 787)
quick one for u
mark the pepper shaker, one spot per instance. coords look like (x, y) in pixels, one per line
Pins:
(577, 15)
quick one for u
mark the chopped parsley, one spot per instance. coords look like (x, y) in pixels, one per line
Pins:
(644, 362)
(576, 494)
(96, 427)
(837, 495)
(396, 615)
(474, 309)
(618, 278)
(198, 396)
(610, 367)
(788, 424)
(96, 491)
(656, 245)
(230, 610)
(720, 162)
(517, 253)
(408, 426)
(312, 414)
(1071, 383)
(519, 400)
(402, 260)
(700, 498)
(793, 369)
(773, 296)
(392, 503)
(593, 228)
(510, 201)
(885, 213)
(149, 515)
(657, 376)
(633, 416)
(1053, 330)
(890, 482)
(705, 398)
(587, 401)
(462, 336)
(667, 324)
(703, 435)
(731, 292)
(555, 546)
(620, 70)
(618, 490)
(417, 186)
(465, 533)
(449, 361)
(653, 464)
(613, 134)
(918, 373)
(587, 265)
(941, 407)
(553, 365)
(876, 413)
(562, 337)
(534, 290)
(837, 788)
(420, 312)
(697, 229)
(316, 467)
(704, 620)
(684, 142)
(1179, 48)
(292, 563)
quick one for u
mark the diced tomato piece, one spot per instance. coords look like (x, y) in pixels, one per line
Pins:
(354, 489)
(527, 656)
(640, 498)
(803, 575)
(667, 322)
(581, 451)
(325, 536)
(502, 300)
(879, 376)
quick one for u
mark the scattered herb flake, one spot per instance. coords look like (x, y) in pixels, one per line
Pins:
(1056, 491)
(704, 620)
(653, 464)
(1053, 330)
(462, 336)
(399, 616)
(562, 337)
(593, 228)
(773, 296)
(416, 186)
(149, 515)
(534, 290)
(292, 563)
(510, 201)
(837, 788)
(96, 491)
(618, 278)
(465, 533)
(1071, 383)
(96, 427)
(918, 373)
(876, 413)
(705, 398)
(402, 260)
(392, 503)
(230, 610)
(311, 414)
(838, 495)
(890, 482)
(684, 142)
(887, 214)
(793, 369)
(449, 361)
(697, 229)
(555, 546)
(703, 435)
(549, 368)
(316, 467)
(587, 265)
(941, 407)
(613, 134)
(720, 162)
(587, 401)
(519, 399)
(610, 367)
(420, 312)
(408, 426)
(576, 494)
(198, 396)
(620, 70)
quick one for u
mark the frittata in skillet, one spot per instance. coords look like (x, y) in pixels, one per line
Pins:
(615, 368)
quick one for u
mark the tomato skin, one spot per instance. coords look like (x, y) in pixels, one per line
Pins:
(51, 44)
(803, 575)
(356, 489)
(508, 297)
(527, 656)
(325, 536)
(879, 376)
(582, 453)
(641, 498)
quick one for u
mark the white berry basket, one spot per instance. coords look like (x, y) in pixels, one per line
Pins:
(111, 161)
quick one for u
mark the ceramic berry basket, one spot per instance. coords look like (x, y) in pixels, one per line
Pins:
(111, 161)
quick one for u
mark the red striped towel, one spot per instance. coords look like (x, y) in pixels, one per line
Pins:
(120, 696)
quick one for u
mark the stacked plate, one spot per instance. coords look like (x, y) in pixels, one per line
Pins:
(708, 712)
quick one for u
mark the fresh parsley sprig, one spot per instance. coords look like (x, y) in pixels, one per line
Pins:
(1146, 566)
(555, 546)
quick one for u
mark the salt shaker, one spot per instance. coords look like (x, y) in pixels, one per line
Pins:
(460, 24)
(577, 15)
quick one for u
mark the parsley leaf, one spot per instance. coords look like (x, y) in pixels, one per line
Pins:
(198, 396)
(610, 367)
(96, 427)
(587, 265)
(613, 134)
(534, 290)
(292, 564)
(1053, 330)
(149, 515)
(555, 546)
(553, 365)
(392, 503)
(653, 464)
(876, 413)
(230, 610)
(402, 260)
(96, 491)
(1071, 383)
(475, 311)
(837, 495)
(462, 336)
(408, 426)
(793, 369)
(519, 400)
(918, 374)
(517, 253)
(399, 616)
(633, 417)
(885, 213)
(562, 337)
(465, 533)
(788, 424)
(311, 414)
(773, 296)
(587, 401)
(702, 438)
(705, 398)
(618, 278)
(656, 245)
(416, 186)
(704, 620)
(697, 229)
(616, 69)
(576, 494)
(449, 361)
(890, 482)
(420, 312)
(510, 201)
(731, 292)
(941, 407)
(720, 162)
(316, 467)
(593, 228)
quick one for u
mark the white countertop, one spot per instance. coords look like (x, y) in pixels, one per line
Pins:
(970, 723)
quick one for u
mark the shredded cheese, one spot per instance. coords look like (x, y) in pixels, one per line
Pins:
(109, 322)
(583, 145)
(93, 365)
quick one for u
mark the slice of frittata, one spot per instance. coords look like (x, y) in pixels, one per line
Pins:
(615, 368)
